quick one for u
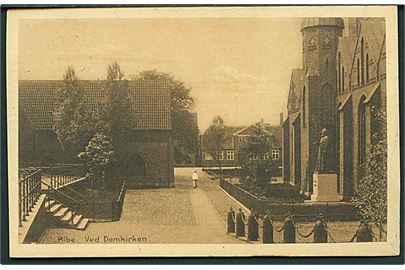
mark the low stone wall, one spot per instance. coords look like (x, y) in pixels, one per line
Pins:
(36, 223)
(332, 211)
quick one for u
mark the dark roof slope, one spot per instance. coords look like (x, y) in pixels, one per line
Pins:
(228, 132)
(295, 85)
(151, 102)
(322, 21)
(375, 32)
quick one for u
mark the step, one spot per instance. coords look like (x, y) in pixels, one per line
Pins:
(77, 219)
(61, 212)
(55, 208)
(67, 217)
(83, 224)
(50, 203)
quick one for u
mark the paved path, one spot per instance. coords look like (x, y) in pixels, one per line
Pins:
(174, 215)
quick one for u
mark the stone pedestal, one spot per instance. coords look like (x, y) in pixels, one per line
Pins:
(325, 188)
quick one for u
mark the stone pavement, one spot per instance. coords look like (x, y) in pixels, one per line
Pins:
(174, 215)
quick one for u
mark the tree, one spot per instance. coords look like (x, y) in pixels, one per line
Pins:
(116, 115)
(254, 160)
(214, 140)
(98, 158)
(184, 125)
(73, 124)
(371, 196)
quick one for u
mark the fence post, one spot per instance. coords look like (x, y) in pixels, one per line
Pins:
(320, 233)
(19, 204)
(25, 202)
(240, 225)
(267, 230)
(363, 233)
(231, 222)
(289, 230)
(253, 228)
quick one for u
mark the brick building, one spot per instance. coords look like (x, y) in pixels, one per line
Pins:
(148, 156)
(343, 75)
(235, 138)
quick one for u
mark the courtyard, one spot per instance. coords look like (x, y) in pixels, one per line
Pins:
(171, 215)
(178, 215)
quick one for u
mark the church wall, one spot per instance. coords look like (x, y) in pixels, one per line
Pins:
(321, 60)
(286, 151)
(305, 135)
(292, 116)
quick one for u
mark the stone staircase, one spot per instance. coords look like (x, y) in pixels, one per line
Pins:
(63, 214)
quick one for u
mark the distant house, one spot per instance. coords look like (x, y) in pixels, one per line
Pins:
(148, 155)
(235, 138)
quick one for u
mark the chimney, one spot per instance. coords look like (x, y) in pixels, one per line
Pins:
(281, 119)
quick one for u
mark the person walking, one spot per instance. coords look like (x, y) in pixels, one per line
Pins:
(194, 177)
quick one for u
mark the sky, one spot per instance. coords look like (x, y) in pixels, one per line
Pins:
(238, 68)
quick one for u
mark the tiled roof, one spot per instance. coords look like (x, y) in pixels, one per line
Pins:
(151, 102)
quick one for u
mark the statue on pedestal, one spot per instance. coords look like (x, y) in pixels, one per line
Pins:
(323, 161)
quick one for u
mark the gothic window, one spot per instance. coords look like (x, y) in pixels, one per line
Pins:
(327, 63)
(362, 60)
(367, 69)
(358, 72)
(338, 74)
(312, 45)
(303, 106)
(343, 79)
(362, 131)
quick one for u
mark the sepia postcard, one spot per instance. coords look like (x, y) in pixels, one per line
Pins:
(203, 131)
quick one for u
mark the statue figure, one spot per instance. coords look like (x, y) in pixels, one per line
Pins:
(323, 162)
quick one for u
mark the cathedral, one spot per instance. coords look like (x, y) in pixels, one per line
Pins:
(342, 78)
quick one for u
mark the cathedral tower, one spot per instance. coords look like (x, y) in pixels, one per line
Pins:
(320, 37)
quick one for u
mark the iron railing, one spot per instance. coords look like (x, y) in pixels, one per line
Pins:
(29, 190)
(58, 181)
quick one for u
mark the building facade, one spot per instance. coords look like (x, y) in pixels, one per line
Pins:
(343, 75)
(235, 139)
(147, 157)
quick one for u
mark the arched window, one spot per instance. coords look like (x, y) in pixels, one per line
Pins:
(343, 79)
(367, 69)
(303, 106)
(338, 75)
(362, 131)
(327, 63)
(358, 72)
(362, 60)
